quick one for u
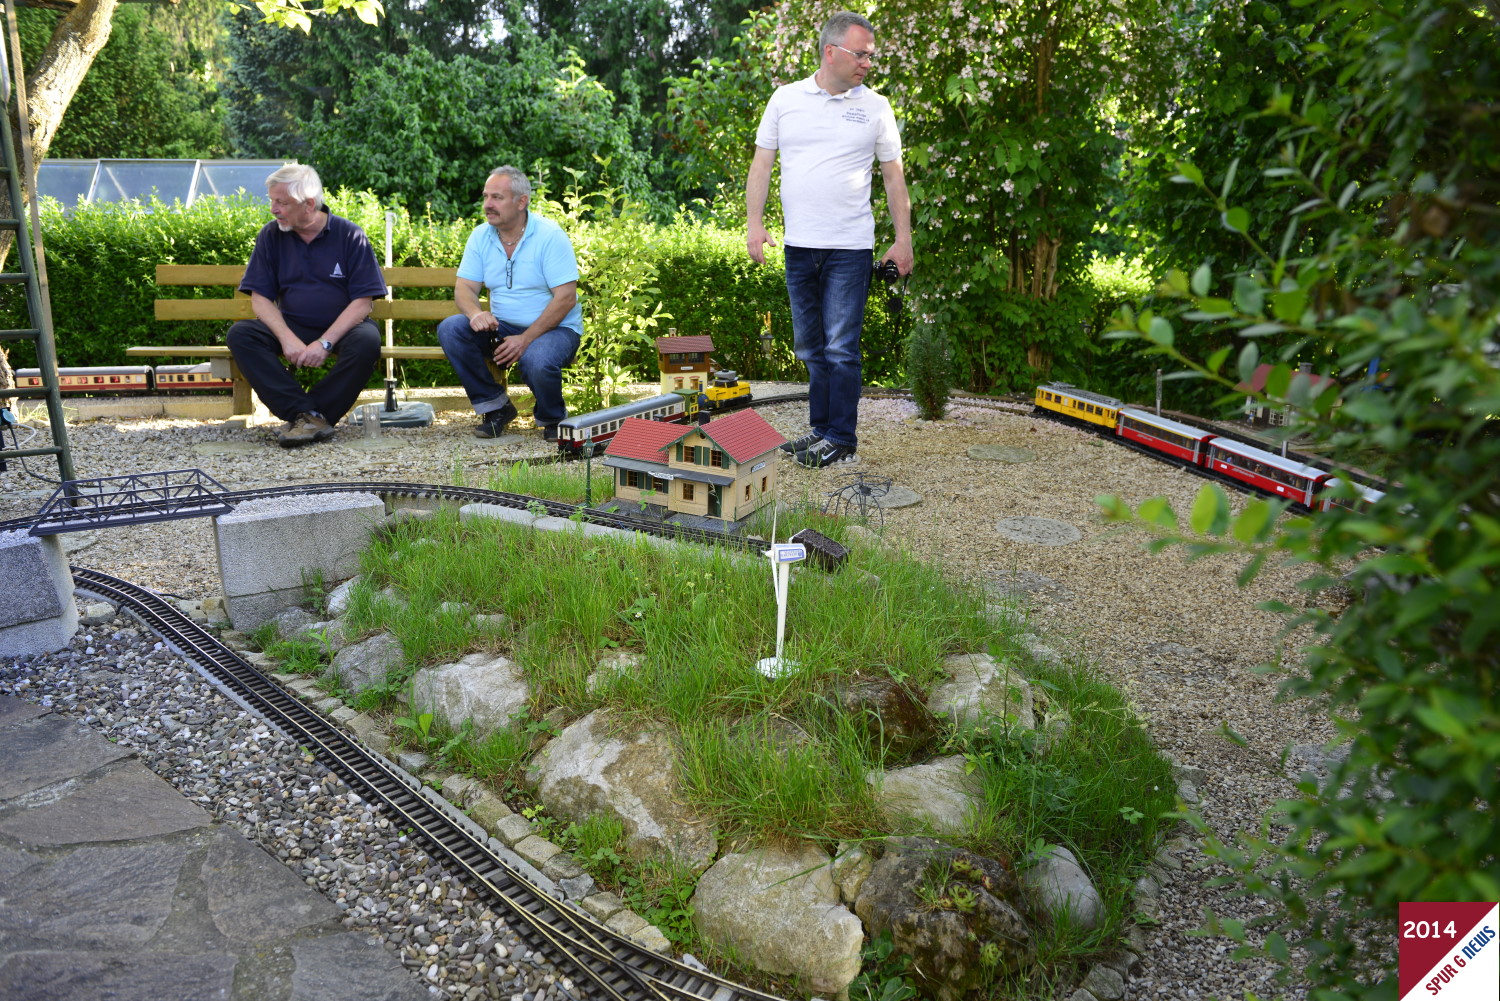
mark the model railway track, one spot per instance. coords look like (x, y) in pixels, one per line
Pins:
(439, 493)
(576, 943)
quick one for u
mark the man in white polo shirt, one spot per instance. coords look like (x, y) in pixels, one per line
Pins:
(829, 128)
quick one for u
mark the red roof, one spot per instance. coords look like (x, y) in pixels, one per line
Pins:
(684, 345)
(742, 435)
(641, 439)
(1257, 381)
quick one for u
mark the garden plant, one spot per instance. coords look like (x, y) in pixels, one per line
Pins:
(1396, 295)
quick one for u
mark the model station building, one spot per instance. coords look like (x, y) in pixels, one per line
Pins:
(725, 469)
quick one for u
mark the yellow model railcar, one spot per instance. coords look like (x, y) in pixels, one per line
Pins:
(1080, 404)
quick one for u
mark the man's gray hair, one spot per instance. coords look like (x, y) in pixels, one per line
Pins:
(519, 185)
(838, 26)
(302, 182)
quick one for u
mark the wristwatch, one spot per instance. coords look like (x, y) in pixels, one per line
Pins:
(327, 345)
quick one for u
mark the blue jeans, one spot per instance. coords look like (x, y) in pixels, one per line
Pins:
(828, 290)
(470, 352)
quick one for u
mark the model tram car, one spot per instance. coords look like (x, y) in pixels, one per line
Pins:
(681, 406)
(129, 379)
(1267, 472)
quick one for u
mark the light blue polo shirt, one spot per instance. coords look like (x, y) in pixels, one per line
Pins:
(542, 261)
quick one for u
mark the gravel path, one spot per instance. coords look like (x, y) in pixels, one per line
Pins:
(1181, 639)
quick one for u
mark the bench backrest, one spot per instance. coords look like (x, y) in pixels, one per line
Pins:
(238, 308)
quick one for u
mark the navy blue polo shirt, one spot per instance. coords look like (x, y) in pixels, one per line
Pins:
(312, 281)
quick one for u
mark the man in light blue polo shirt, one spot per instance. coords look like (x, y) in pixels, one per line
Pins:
(534, 321)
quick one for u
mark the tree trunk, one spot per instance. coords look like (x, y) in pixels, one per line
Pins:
(50, 86)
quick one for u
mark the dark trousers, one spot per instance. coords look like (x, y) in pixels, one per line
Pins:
(258, 354)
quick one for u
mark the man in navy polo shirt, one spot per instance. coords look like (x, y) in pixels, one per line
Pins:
(534, 321)
(311, 279)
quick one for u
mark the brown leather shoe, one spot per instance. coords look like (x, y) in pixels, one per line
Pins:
(305, 430)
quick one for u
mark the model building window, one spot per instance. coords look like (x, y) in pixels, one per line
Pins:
(747, 491)
(687, 491)
(716, 459)
(762, 484)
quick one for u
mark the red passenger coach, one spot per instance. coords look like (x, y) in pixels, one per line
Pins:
(1162, 435)
(1266, 470)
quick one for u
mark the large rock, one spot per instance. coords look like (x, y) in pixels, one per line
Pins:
(949, 910)
(978, 687)
(1060, 888)
(592, 767)
(365, 664)
(938, 793)
(482, 687)
(890, 715)
(780, 910)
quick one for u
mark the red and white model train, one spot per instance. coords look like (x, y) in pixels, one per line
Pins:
(1313, 488)
(129, 379)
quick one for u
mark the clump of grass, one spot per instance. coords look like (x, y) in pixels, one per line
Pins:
(498, 757)
(598, 843)
(762, 775)
(557, 481)
(296, 656)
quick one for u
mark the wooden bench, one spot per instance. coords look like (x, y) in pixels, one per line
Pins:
(238, 308)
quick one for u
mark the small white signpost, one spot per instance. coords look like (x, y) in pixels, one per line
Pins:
(782, 555)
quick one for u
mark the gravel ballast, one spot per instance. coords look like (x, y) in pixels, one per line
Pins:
(1182, 640)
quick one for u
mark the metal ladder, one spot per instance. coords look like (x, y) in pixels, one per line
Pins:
(28, 268)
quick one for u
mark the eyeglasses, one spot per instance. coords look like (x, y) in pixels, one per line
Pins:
(859, 57)
(510, 270)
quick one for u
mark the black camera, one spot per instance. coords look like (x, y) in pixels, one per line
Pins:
(887, 272)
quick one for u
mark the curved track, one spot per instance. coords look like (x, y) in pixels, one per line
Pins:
(577, 944)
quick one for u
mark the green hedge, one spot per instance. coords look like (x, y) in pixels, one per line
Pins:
(101, 261)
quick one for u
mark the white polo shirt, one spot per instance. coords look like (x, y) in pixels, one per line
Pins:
(827, 144)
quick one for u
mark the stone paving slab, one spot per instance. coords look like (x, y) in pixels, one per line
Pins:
(13, 861)
(16, 710)
(245, 884)
(103, 897)
(112, 885)
(127, 802)
(43, 751)
(342, 968)
(119, 976)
